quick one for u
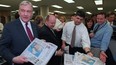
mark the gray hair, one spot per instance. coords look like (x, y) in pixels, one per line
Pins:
(25, 3)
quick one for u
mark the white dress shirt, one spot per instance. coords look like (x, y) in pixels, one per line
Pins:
(58, 22)
(29, 25)
(82, 37)
(110, 23)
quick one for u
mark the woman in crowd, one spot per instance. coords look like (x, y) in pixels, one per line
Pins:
(39, 20)
(89, 23)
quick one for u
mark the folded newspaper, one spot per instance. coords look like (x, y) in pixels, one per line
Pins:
(81, 59)
(39, 52)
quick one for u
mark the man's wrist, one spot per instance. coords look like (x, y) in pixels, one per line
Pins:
(102, 51)
(88, 52)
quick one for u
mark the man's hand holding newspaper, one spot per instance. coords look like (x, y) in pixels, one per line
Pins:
(81, 59)
(39, 52)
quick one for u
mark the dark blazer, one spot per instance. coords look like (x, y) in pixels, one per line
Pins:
(14, 39)
(114, 22)
(49, 36)
(46, 34)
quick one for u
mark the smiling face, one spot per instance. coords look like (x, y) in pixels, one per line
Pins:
(25, 12)
(101, 18)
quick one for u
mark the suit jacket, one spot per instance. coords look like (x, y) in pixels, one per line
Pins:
(14, 39)
(114, 22)
(46, 34)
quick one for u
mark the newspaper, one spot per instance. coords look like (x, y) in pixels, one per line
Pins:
(81, 59)
(39, 52)
(68, 59)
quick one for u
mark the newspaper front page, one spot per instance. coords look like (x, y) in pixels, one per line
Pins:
(39, 52)
(81, 59)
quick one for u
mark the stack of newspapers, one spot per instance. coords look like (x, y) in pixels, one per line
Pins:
(81, 59)
(39, 52)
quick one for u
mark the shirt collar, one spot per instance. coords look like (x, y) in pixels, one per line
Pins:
(23, 22)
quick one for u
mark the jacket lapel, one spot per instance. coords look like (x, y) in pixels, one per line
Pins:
(34, 29)
(52, 34)
(21, 30)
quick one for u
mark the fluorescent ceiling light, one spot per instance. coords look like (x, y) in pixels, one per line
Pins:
(69, 1)
(57, 6)
(88, 12)
(35, 6)
(56, 11)
(98, 2)
(100, 8)
(50, 12)
(80, 7)
(33, 12)
(114, 9)
(1, 5)
(15, 11)
(36, 0)
(60, 12)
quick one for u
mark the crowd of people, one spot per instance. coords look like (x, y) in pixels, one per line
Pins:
(88, 35)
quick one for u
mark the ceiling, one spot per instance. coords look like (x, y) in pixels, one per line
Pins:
(89, 5)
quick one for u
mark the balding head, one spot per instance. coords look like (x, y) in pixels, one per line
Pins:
(50, 21)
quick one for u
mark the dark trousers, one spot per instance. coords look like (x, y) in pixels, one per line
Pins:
(75, 49)
(110, 60)
(25, 64)
(6, 63)
(72, 51)
(55, 60)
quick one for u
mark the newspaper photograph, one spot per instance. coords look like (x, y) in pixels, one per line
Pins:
(81, 59)
(39, 52)
(68, 59)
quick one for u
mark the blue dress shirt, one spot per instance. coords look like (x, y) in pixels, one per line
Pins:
(102, 37)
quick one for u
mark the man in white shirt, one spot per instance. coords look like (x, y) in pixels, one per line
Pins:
(82, 41)
(58, 22)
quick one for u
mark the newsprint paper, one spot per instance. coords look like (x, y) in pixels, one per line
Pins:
(39, 52)
(81, 59)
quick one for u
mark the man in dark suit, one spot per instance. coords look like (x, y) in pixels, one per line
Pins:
(47, 33)
(15, 37)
